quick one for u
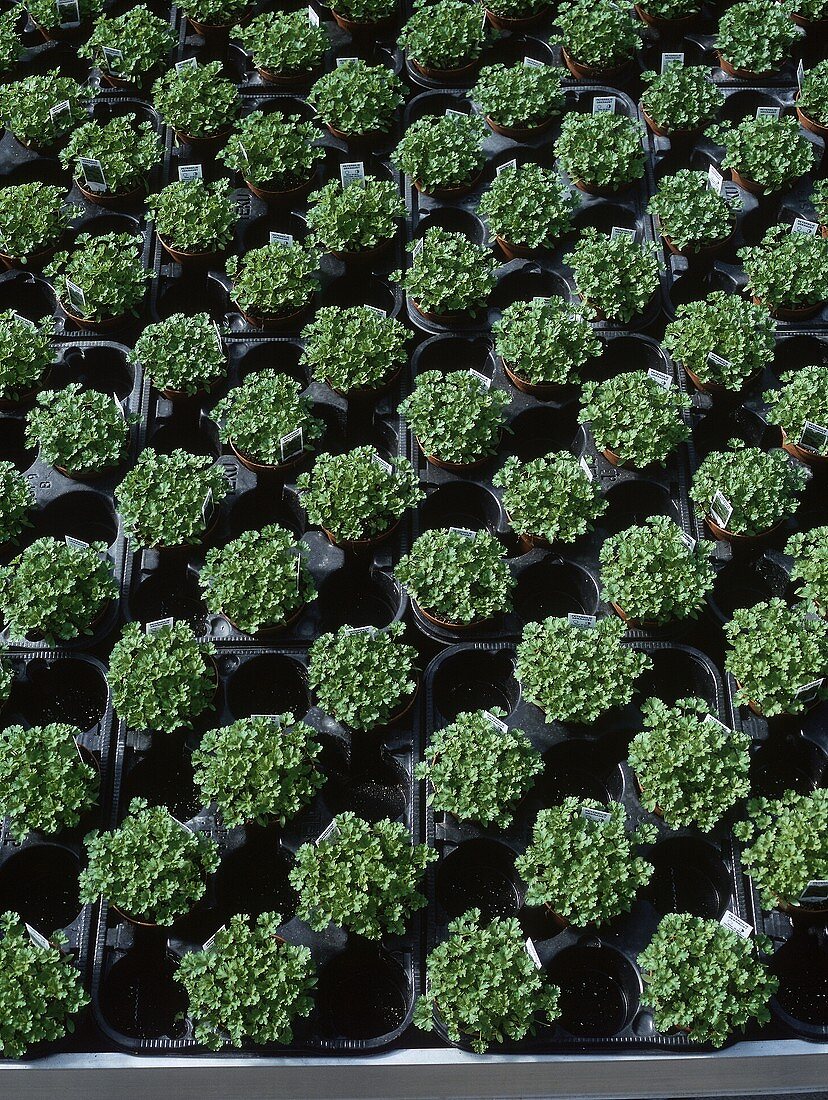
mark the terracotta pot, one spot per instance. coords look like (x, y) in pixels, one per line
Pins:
(364, 543)
(181, 395)
(206, 141)
(815, 127)
(462, 75)
(274, 321)
(441, 318)
(707, 252)
(519, 133)
(743, 74)
(682, 23)
(517, 23)
(90, 475)
(138, 921)
(442, 464)
(747, 184)
(35, 262)
(445, 623)
(595, 189)
(106, 325)
(716, 389)
(290, 80)
(792, 313)
(363, 393)
(801, 912)
(823, 232)
(287, 195)
(370, 137)
(365, 257)
(556, 918)
(192, 259)
(615, 459)
(636, 624)
(380, 28)
(815, 25)
(665, 131)
(212, 30)
(117, 81)
(590, 72)
(657, 810)
(809, 458)
(537, 389)
(515, 251)
(272, 630)
(264, 469)
(450, 193)
(117, 201)
(735, 539)
(528, 543)
(26, 395)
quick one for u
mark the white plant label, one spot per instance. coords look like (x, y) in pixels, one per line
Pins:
(62, 108)
(464, 532)
(313, 18)
(36, 937)
(75, 544)
(688, 540)
(451, 113)
(720, 509)
(217, 332)
(329, 833)
(532, 63)
(418, 247)
(207, 507)
(802, 225)
(768, 112)
(496, 722)
(715, 722)
(502, 167)
(292, 444)
(119, 406)
(584, 621)
(93, 173)
(298, 577)
(585, 466)
(809, 692)
(620, 231)
(383, 465)
(77, 298)
(718, 360)
(736, 924)
(532, 952)
(209, 943)
(813, 437)
(274, 718)
(483, 379)
(68, 12)
(159, 624)
(187, 63)
(815, 892)
(360, 630)
(281, 238)
(375, 309)
(670, 59)
(800, 72)
(189, 172)
(352, 172)
(111, 57)
(23, 320)
(594, 815)
(346, 61)
(715, 178)
(660, 378)
(604, 105)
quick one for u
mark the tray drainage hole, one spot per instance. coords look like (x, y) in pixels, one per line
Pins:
(555, 588)
(283, 357)
(140, 997)
(575, 769)
(631, 502)
(191, 294)
(347, 291)
(164, 778)
(479, 874)
(455, 220)
(626, 353)
(475, 679)
(31, 298)
(268, 684)
(600, 990)
(13, 443)
(41, 884)
(64, 690)
(253, 510)
(169, 591)
(199, 438)
(102, 369)
(254, 878)
(800, 351)
(802, 998)
(460, 504)
(604, 215)
(542, 431)
(523, 286)
(373, 794)
(677, 674)
(787, 763)
(366, 600)
(83, 515)
(689, 877)
(362, 994)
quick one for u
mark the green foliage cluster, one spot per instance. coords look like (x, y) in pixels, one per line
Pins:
(526, 206)
(26, 354)
(193, 216)
(353, 347)
(168, 500)
(454, 417)
(550, 497)
(441, 152)
(78, 429)
(681, 98)
(33, 218)
(197, 101)
(284, 42)
(728, 326)
(126, 148)
(616, 277)
(16, 501)
(109, 271)
(635, 417)
(257, 415)
(181, 353)
(601, 150)
(358, 98)
(444, 34)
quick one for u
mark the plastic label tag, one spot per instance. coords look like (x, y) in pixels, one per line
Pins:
(36, 937)
(292, 444)
(353, 172)
(329, 833)
(62, 108)
(111, 55)
(483, 379)
(594, 815)
(75, 544)
(274, 718)
(585, 621)
(383, 465)
(533, 63)
(346, 61)
(313, 18)
(188, 172)
(217, 332)
(585, 466)
(660, 378)
(418, 247)
(77, 298)
(93, 173)
(800, 72)
(68, 13)
(464, 532)
(711, 719)
(532, 952)
(815, 891)
(620, 231)
(159, 624)
(281, 238)
(814, 437)
(375, 309)
(809, 692)
(736, 924)
(496, 722)
(718, 360)
(715, 178)
(604, 105)
(670, 59)
(502, 167)
(451, 113)
(187, 63)
(802, 225)
(372, 630)
(119, 406)
(23, 320)
(207, 507)
(209, 943)
(768, 112)
(688, 540)
(720, 509)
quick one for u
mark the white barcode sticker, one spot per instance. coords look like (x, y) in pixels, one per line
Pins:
(346, 61)
(292, 444)
(736, 924)
(383, 465)
(187, 172)
(159, 624)
(187, 63)
(604, 105)
(815, 892)
(36, 937)
(94, 177)
(502, 167)
(76, 544)
(688, 540)
(768, 112)
(660, 378)
(809, 692)
(720, 509)
(313, 18)
(281, 238)
(352, 172)
(532, 952)
(484, 380)
(670, 59)
(802, 225)
(494, 721)
(581, 620)
(718, 360)
(209, 943)
(620, 231)
(595, 815)
(712, 720)
(451, 113)
(800, 72)
(813, 437)
(464, 531)
(533, 63)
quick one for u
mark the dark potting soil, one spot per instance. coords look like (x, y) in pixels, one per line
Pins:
(164, 782)
(254, 879)
(479, 874)
(140, 996)
(41, 884)
(66, 690)
(362, 994)
(597, 996)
